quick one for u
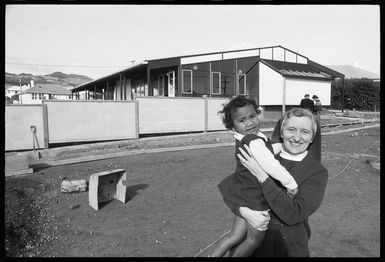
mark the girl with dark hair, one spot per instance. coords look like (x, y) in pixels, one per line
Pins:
(243, 189)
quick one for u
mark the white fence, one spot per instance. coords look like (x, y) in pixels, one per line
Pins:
(91, 120)
(167, 115)
(18, 122)
(103, 120)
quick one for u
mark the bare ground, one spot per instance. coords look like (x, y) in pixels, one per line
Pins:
(174, 209)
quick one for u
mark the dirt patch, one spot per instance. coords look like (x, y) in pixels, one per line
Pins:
(174, 209)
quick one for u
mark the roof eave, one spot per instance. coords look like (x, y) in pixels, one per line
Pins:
(308, 77)
(136, 67)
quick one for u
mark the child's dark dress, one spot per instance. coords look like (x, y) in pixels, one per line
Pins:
(242, 188)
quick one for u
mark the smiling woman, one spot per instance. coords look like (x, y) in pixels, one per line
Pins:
(241, 188)
(297, 131)
(289, 231)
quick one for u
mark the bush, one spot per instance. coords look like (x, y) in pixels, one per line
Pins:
(360, 94)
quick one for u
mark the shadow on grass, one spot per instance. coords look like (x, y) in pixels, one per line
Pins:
(131, 192)
(134, 190)
(39, 167)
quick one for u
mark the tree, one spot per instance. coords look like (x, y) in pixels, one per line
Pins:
(360, 94)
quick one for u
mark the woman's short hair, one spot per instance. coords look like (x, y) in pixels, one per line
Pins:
(300, 112)
(230, 107)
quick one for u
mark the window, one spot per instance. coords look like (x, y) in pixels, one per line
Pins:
(249, 67)
(216, 80)
(228, 84)
(187, 81)
(158, 85)
(200, 84)
(34, 96)
(140, 88)
(155, 86)
(227, 77)
(40, 96)
(242, 84)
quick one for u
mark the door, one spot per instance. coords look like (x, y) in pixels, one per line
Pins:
(171, 83)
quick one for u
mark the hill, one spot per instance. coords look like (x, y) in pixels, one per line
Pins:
(354, 72)
(70, 80)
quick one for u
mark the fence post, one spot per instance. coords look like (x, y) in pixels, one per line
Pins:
(45, 125)
(136, 117)
(206, 114)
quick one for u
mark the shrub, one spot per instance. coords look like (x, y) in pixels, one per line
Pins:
(360, 94)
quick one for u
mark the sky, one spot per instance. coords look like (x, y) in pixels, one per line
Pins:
(97, 40)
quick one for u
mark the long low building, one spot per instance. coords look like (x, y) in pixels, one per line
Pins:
(274, 76)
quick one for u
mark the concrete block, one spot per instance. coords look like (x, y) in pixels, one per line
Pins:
(16, 162)
(105, 186)
(73, 186)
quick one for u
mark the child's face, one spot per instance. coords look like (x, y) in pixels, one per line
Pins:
(245, 120)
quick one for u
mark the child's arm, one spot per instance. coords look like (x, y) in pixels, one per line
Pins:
(277, 147)
(271, 165)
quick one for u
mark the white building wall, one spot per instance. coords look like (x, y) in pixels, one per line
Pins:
(27, 99)
(270, 86)
(297, 88)
(62, 97)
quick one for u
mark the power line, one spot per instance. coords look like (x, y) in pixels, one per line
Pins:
(43, 65)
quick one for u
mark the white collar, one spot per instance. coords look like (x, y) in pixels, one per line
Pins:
(258, 134)
(292, 157)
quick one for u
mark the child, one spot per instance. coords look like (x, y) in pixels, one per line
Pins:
(241, 188)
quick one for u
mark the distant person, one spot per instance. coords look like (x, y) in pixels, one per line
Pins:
(307, 103)
(243, 189)
(317, 106)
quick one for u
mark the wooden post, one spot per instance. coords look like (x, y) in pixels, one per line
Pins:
(343, 94)
(284, 97)
(136, 118)
(45, 125)
(206, 113)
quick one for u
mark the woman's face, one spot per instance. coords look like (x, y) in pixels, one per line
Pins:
(297, 134)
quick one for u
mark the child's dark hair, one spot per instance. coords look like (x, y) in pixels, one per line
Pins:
(230, 107)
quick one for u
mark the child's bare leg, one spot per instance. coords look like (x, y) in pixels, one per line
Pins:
(253, 241)
(236, 235)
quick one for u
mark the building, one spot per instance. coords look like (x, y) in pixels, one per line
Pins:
(274, 76)
(12, 93)
(36, 94)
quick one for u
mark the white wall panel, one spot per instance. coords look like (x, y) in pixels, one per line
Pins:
(297, 88)
(96, 120)
(270, 86)
(18, 119)
(165, 115)
(214, 119)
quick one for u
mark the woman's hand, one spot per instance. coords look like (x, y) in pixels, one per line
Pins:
(251, 164)
(257, 219)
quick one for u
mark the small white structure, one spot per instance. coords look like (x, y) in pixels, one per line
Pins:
(14, 90)
(20, 89)
(106, 186)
